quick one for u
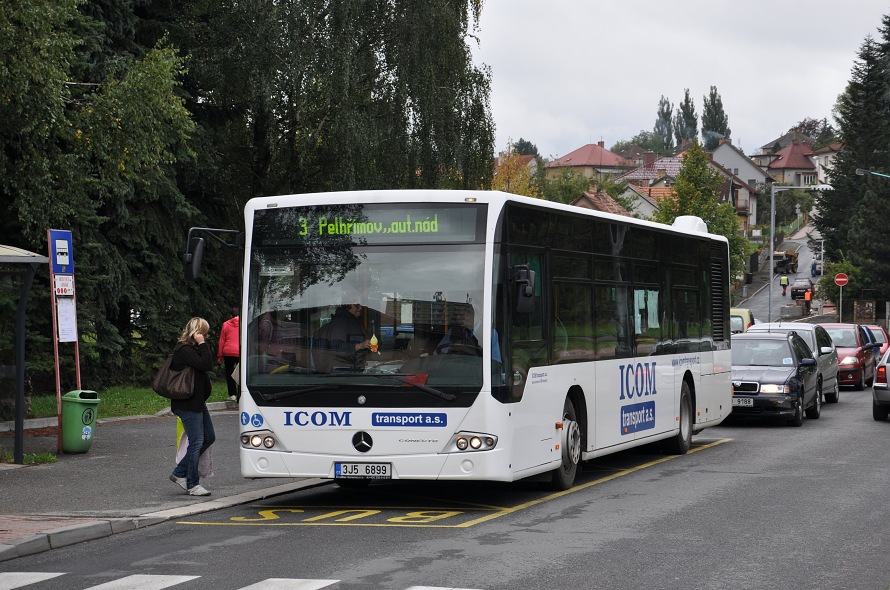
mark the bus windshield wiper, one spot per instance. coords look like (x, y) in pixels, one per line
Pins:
(295, 392)
(448, 397)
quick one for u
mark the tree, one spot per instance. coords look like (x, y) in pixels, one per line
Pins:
(565, 188)
(664, 127)
(685, 120)
(647, 140)
(359, 95)
(524, 147)
(513, 175)
(105, 132)
(820, 130)
(697, 192)
(863, 123)
(714, 122)
(94, 127)
(787, 202)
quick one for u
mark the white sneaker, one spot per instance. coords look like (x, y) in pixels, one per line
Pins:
(232, 398)
(180, 481)
(198, 490)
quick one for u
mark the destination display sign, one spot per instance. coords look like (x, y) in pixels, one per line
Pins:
(404, 223)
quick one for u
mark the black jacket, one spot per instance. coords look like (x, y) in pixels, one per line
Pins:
(334, 343)
(200, 358)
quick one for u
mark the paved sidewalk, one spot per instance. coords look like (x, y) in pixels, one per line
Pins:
(120, 484)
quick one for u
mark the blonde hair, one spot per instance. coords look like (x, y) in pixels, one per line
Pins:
(195, 326)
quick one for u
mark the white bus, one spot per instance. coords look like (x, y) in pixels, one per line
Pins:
(513, 337)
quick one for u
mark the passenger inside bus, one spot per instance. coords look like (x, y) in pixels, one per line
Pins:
(459, 339)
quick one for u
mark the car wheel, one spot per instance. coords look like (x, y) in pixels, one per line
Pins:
(798, 416)
(879, 412)
(833, 396)
(814, 411)
(563, 476)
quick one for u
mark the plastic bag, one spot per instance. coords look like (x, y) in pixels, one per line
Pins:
(205, 461)
(236, 374)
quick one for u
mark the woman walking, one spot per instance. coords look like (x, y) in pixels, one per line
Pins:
(193, 351)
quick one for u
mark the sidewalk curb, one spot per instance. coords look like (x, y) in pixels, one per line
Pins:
(53, 421)
(88, 531)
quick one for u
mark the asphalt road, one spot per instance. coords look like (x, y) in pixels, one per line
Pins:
(756, 505)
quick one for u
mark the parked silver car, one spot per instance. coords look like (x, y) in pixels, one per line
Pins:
(823, 351)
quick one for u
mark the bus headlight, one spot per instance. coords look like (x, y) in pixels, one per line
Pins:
(471, 441)
(256, 440)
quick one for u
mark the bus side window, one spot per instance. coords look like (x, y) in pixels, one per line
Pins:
(572, 322)
(686, 328)
(612, 335)
(647, 327)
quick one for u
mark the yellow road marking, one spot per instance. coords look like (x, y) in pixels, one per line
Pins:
(349, 514)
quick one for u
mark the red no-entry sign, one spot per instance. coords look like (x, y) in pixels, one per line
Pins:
(840, 279)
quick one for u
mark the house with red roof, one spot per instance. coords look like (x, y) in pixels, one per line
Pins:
(646, 200)
(794, 165)
(590, 161)
(651, 183)
(600, 201)
(655, 171)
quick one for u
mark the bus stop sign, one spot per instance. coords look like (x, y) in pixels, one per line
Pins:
(840, 279)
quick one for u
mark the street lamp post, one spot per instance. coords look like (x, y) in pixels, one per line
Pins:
(773, 189)
(863, 172)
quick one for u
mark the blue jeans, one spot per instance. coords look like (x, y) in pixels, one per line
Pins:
(199, 428)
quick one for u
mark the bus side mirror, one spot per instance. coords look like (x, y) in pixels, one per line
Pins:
(192, 258)
(525, 289)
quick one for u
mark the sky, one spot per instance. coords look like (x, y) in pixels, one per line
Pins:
(566, 73)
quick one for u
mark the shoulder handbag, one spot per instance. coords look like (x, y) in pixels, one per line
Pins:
(174, 384)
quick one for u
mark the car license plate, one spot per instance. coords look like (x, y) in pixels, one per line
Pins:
(363, 470)
(745, 402)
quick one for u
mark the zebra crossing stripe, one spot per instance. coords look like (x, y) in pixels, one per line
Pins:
(13, 580)
(290, 584)
(10, 580)
(143, 582)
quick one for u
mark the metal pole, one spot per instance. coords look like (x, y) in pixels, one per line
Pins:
(772, 246)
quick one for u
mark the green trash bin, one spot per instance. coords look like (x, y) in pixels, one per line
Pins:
(79, 409)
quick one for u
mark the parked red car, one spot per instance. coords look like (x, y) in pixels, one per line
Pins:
(880, 335)
(856, 354)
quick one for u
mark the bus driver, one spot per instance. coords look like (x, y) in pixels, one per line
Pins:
(342, 342)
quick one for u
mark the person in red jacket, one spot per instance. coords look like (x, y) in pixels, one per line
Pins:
(228, 350)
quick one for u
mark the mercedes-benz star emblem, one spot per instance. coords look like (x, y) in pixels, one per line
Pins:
(362, 442)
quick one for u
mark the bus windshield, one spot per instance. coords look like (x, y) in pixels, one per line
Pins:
(347, 321)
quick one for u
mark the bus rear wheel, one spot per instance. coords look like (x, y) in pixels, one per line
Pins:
(680, 444)
(563, 477)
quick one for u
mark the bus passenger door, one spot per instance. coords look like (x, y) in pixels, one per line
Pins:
(533, 398)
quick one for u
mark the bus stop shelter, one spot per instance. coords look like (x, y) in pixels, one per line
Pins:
(17, 265)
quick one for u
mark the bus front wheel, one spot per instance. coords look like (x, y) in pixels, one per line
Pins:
(679, 445)
(563, 476)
